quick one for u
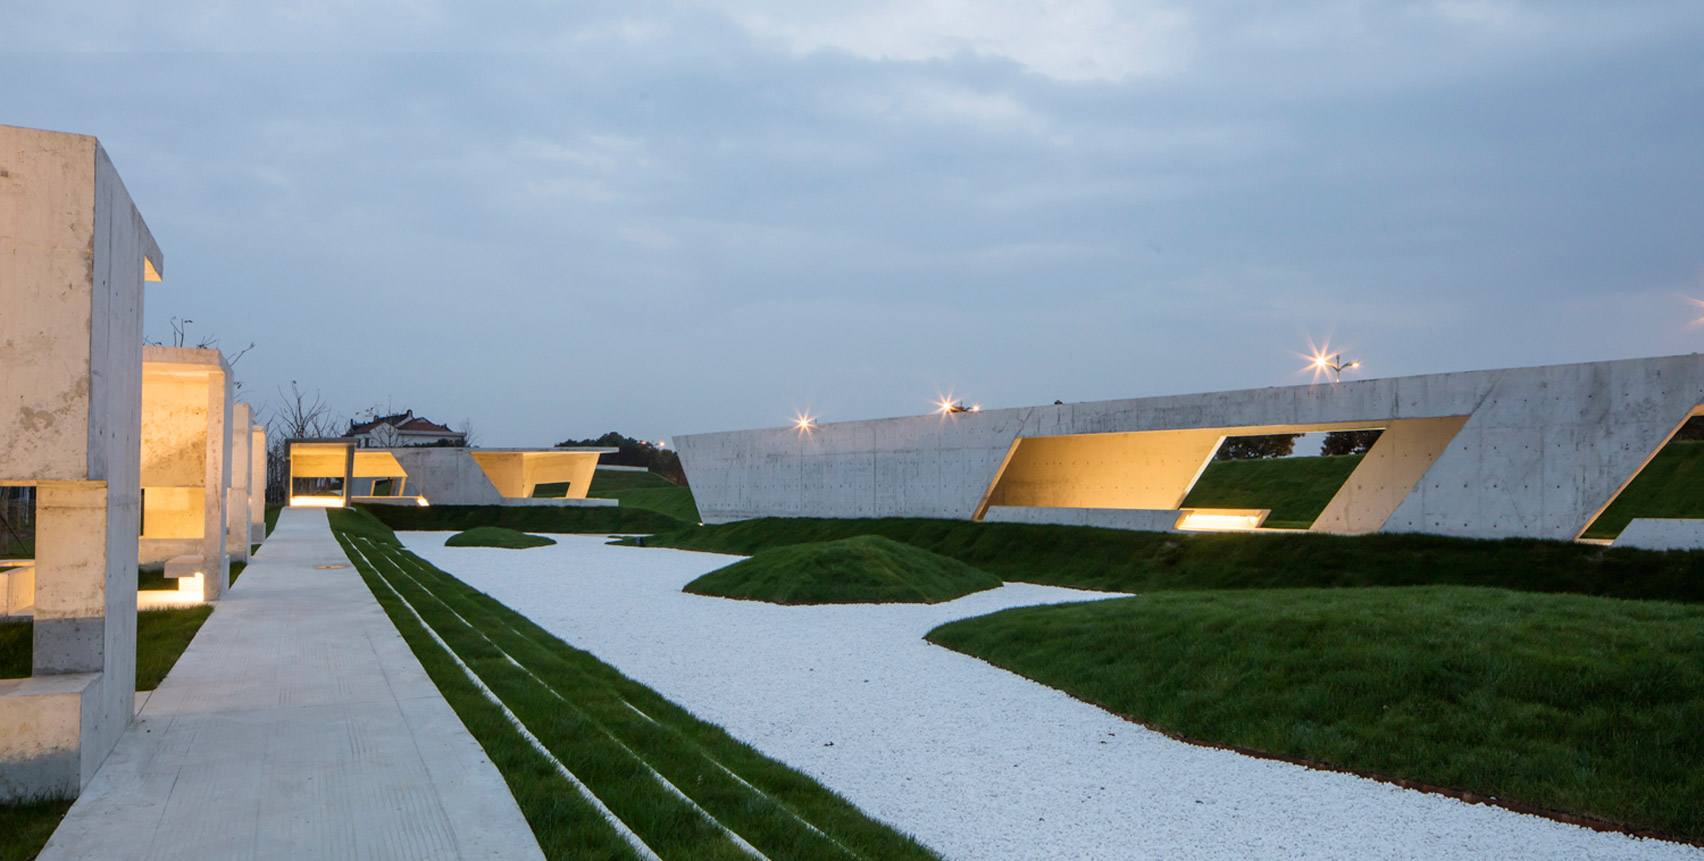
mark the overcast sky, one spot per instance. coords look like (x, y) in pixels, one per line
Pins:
(559, 219)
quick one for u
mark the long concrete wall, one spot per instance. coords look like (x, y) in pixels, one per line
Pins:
(1533, 452)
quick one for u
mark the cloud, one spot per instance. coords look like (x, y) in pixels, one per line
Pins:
(1066, 40)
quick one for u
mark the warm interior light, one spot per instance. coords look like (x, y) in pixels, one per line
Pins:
(1222, 520)
(421, 501)
(316, 502)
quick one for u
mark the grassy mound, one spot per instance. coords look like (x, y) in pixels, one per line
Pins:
(523, 518)
(627, 479)
(1565, 702)
(496, 536)
(1114, 560)
(1297, 489)
(868, 569)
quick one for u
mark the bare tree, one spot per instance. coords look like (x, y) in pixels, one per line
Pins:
(301, 414)
(384, 435)
(469, 433)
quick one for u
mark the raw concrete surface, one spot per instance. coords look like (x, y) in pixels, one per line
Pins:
(1654, 534)
(977, 762)
(1541, 451)
(297, 725)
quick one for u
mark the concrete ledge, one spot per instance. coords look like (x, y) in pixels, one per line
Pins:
(185, 566)
(1137, 519)
(1647, 533)
(41, 729)
(562, 503)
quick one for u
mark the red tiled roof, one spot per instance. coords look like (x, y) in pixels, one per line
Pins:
(423, 425)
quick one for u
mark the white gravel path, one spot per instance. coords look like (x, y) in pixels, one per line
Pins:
(976, 762)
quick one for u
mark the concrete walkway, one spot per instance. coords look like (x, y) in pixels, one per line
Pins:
(297, 725)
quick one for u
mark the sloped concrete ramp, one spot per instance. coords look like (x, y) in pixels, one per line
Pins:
(297, 725)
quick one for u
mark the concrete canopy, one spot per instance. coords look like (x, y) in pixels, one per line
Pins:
(442, 475)
(1531, 452)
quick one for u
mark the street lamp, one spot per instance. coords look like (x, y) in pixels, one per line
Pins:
(1334, 363)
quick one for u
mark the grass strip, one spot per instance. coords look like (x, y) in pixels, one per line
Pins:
(779, 811)
(1116, 560)
(161, 637)
(598, 520)
(627, 479)
(1564, 702)
(565, 825)
(1297, 489)
(865, 569)
(673, 758)
(616, 777)
(26, 826)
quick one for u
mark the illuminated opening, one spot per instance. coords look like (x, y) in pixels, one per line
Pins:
(551, 490)
(316, 501)
(1275, 472)
(1222, 520)
(1670, 485)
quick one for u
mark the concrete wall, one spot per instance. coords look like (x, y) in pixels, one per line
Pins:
(257, 484)
(1533, 452)
(74, 253)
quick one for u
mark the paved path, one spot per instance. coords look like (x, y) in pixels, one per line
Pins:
(297, 725)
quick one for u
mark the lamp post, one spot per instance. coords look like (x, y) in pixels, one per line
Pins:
(1335, 364)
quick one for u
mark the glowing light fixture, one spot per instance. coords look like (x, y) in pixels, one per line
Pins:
(1222, 519)
(316, 502)
(1332, 362)
(421, 501)
(804, 422)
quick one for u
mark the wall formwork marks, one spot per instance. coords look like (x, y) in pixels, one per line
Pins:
(1530, 452)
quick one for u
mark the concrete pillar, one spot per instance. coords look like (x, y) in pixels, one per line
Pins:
(257, 484)
(238, 498)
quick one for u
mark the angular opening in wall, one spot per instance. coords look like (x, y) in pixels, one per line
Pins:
(17, 524)
(1669, 485)
(551, 490)
(1294, 475)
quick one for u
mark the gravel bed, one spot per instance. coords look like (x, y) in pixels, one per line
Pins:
(975, 761)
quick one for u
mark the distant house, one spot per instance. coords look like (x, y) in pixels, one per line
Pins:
(402, 429)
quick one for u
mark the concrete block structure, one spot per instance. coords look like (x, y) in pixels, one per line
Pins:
(186, 466)
(336, 472)
(74, 253)
(1530, 452)
(238, 498)
(257, 484)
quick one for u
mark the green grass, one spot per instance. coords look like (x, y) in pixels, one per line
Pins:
(646, 490)
(1297, 489)
(1570, 703)
(270, 515)
(26, 827)
(867, 569)
(522, 518)
(1122, 561)
(621, 479)
(673, 502)
(606, 729)
(161, 636)
(1671, 485)
(496, 536)
(157, 581)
